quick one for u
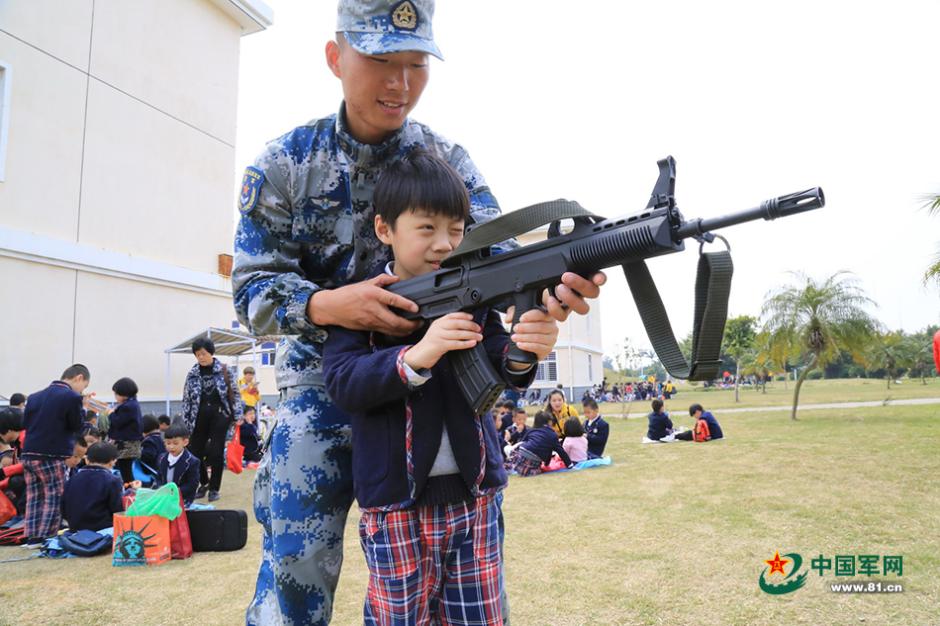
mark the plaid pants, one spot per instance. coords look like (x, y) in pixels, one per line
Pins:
(45, 483)
(524, 462)
(433, 565)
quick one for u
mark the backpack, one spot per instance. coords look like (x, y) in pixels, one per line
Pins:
(701, 432)
(85, 542)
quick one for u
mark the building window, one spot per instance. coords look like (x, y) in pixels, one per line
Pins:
(590, 369)
(5, 77)
(267, 353)
(548, 369)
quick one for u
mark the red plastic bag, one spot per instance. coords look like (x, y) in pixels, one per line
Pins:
(235, 452)
(181, 542)
(7, 510)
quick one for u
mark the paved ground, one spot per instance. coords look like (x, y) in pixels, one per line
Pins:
(807, 407)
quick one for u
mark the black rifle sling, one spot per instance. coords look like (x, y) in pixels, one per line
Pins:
(712, 289)
(517, 223)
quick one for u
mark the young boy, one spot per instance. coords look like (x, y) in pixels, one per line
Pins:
(248, 388)
(178, 465)
(660, 426)
(536, 448)
(248, 431)
(425, 468)
(94, 494)
(595, 429)
(164, 423)
(697, 413)
(152, 446)
(517, 431)
(53, 420)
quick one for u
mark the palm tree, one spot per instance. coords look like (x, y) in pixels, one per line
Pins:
(738, 341)
(933, 272)
(814, 320)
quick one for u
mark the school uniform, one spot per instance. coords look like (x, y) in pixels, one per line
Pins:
(91, 499)
(659, 426)
(52, 420)
(151, 449)
(248, 434)
(182, 470)
(516, 434)
(597, 431)
(426, 472)
(126, 431)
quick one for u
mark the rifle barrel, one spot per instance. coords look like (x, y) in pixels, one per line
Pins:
(782, 206)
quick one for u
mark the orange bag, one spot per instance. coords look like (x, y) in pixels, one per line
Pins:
(701, 432)
(235, 452)
(141, 540)
(7, 510)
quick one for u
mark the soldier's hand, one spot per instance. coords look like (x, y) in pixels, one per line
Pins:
(571, 295)
(363, 306)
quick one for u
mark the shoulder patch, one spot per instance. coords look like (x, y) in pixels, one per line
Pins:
(251, 187)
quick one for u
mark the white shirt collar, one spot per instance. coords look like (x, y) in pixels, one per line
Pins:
(173, 459)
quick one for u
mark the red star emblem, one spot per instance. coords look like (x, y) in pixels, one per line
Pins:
(776, 564)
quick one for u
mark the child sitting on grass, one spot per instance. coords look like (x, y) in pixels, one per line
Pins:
(660, 426)
(536, 448)
(178, 465)
(94, 494)
(575, 443)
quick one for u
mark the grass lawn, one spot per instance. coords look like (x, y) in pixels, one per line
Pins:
(812, 392)
(669, 534)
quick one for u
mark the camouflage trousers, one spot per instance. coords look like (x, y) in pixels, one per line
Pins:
(302, 494)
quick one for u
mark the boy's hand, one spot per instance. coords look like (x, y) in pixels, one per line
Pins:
(536, 332)
(454, 331)
(363, 306)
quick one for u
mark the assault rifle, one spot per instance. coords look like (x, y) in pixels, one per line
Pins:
(472, 277)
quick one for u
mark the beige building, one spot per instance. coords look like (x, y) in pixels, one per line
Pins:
(117, 135)
(577, 361)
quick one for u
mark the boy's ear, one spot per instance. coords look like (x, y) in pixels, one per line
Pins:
(383, 230)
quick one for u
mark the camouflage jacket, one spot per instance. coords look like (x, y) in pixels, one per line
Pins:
(307, 224)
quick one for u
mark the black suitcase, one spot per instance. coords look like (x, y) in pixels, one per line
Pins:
(218, 531)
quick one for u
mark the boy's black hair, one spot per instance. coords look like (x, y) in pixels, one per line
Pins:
(101, 453)
(509, 404)
(90, 415)
(10, 420)
(591, 403)
(125, 387)
(520, 411)
(657, 405)
(420, 181)
(694, 408)
(176, 430)
(80, 442)
(542, 418)
(149, 423)
(203, 343)
(573, 427)
(247, 407)
(17, 399)
(94, 432)
(164, 419)
(76, 370)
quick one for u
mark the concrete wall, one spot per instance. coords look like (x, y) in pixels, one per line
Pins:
(121, 140)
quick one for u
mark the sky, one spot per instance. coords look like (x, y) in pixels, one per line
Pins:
(754, 100)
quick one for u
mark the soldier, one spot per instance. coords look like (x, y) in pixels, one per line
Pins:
(304, 245)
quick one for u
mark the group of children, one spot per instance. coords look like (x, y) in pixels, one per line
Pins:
(56, 464)
(529, 451)
(662, 430)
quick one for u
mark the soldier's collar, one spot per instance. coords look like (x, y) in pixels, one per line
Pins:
(364, 153)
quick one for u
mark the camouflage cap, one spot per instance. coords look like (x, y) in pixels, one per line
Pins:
(385, 26)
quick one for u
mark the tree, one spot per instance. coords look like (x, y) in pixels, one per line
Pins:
(888, 353)
(816, 320)
(739, 340)
(933, 272)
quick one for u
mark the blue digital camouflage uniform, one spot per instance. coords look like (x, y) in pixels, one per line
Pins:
(307, 224)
